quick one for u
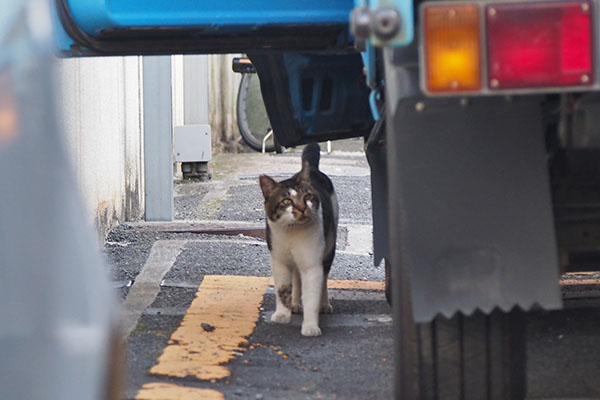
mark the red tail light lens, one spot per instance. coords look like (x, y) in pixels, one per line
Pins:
(539, 44)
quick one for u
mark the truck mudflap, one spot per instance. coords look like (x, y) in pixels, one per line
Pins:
(471, 223)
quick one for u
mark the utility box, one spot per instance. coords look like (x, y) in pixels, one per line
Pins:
(192, 143)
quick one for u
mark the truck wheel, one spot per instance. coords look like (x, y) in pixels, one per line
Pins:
(475, 357)
(465, 357)
(252, 117)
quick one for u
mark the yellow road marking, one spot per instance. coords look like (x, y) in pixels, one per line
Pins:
(229, 304)
(356, 285)
(579, 278)
(167, 391)
(584, 281)
(350, 285)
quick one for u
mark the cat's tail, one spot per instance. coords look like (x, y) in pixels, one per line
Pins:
(312, 154)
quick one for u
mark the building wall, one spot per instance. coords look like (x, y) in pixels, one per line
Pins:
(100, 109)
(222, 91)
(223, 87)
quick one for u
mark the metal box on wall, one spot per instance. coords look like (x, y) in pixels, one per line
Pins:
(192, 143)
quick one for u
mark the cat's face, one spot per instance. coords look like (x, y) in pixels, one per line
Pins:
(295, 203)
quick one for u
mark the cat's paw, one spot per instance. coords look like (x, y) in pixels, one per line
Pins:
(310, 330)
(281, 317)
(297, 308)
(326, 308)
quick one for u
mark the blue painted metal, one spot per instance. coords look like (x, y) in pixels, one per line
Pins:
(373, 97)
(369, 58)
(314, 97)
(94, 16)
(309, 74)
(93, 27)
(63, 41)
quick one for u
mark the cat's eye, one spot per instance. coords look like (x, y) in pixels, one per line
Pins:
(286, 202)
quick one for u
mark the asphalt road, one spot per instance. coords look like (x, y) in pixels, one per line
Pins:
(158, 275)
(352, 359)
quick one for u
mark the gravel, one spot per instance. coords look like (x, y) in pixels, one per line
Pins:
(245, 202)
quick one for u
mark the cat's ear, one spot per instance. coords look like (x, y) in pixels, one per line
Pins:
(267, 185)
(304, 175)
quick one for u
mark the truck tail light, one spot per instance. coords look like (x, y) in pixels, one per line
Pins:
(542, 44)
(452, 48)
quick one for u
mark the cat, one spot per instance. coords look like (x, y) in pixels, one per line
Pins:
(302, 219)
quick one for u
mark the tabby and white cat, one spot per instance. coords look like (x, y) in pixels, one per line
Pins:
(302, 218)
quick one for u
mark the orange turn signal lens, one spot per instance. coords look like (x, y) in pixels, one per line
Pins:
(452, 48)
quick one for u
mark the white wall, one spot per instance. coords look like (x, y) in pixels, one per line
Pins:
(177, 89)
(223, 87)
(100, 107)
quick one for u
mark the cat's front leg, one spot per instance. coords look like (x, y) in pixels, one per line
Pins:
(326, 307)
(282, 277)
(296, 292)
(312, 281)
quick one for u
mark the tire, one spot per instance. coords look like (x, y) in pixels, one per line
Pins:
(252, 117)
(465, 357)
(474, 357)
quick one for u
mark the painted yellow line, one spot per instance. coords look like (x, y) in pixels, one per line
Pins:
(355, 285)
(167, 391)
(579, 278)
(580, 282)
(230, 305)
(350, 285)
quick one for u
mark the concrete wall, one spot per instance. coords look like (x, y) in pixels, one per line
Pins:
(100, 108)
(223, 87)
(177, 89)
